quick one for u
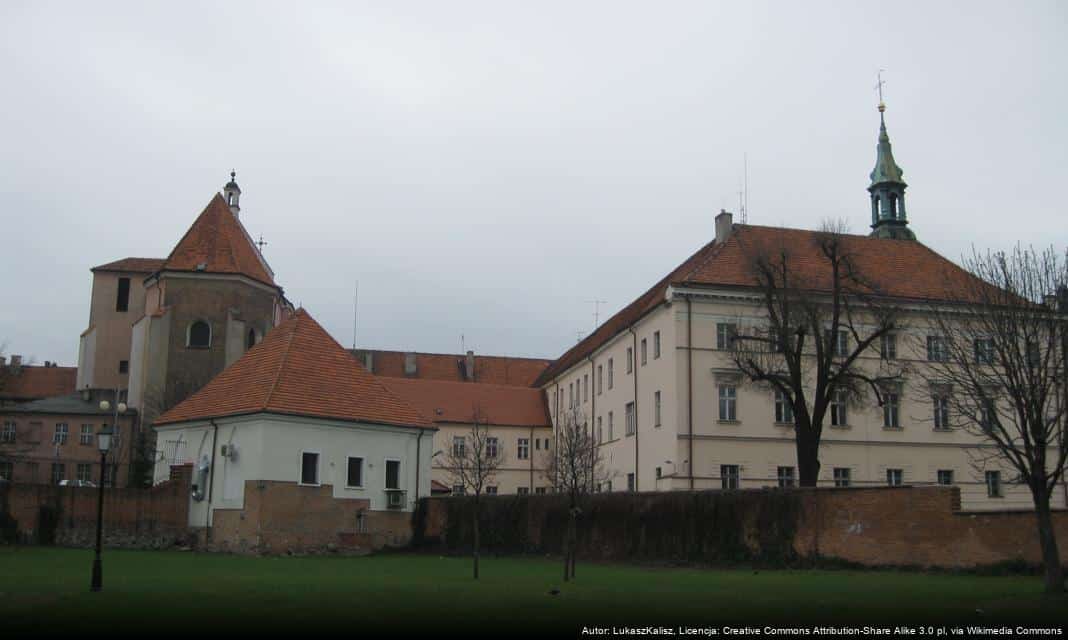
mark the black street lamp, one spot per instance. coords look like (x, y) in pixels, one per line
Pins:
(103, 443)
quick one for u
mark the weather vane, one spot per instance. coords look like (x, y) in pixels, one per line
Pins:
(879, 88)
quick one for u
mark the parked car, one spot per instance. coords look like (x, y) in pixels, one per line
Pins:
(77, 483)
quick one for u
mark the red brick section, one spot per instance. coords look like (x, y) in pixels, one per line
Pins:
(132, 265)
(503, 405)
(297, 369)
(133, 517)
(218, 241)
(281, 517)
(898, 526)
(34, 383)
(899, 269)
(506, 370)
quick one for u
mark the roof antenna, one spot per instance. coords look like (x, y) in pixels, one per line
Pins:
(745, 188)
(596, 311)
(355, 301)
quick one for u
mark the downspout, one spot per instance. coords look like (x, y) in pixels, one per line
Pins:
(634, 366)
(530, 454)
(418, 460)
(593, 421)
(211, 481)
(689, 384)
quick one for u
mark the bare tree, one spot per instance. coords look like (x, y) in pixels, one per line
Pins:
(823, 315)
(473, 461)
(998, 372)
(576, 469)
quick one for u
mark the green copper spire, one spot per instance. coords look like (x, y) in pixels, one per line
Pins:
(887, 189)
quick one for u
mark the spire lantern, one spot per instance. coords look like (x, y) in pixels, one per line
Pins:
(887, 188)
(232, 194)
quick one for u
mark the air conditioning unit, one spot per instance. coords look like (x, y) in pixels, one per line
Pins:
(394, 498)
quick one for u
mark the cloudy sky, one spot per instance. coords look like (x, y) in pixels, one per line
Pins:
(487, 168)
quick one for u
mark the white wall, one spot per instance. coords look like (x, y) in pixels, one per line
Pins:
(269, 447)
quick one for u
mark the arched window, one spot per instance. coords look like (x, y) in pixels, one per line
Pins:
(199, 336)
(251, 340)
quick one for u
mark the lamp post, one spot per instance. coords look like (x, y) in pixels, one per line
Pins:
(103, 443)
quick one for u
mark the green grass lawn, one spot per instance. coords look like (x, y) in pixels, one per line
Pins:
(173, 592)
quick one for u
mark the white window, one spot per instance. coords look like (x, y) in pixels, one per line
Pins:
(784, 410)
(600, 379)
(60, 436)
(838, 342)
(611, 375)
(937, 350)
(725, 335)
(631, 419)
(984, 351)
(630, 482)
(571, 395)
(630, 359)
(309, 468)
(491, 448)
(728, 475)
(645, 352)
(8, 433)
(600, 429)
(611, 426)
(891, 406)
(354, 475)
(656, 409)
(842, 476)
(86, 435)
(728, 403)
(459, 446)
(523, 452)
(941, 412)
(945, 476)
(523, 491)
(84, 471)
(839, 414)
(586, 388)
(656, 345)
(458, 490)
(539, 491)
(993, 484)
(888, 346)
(786, 477)
(988, 416)
(894, 477)
(491, 491)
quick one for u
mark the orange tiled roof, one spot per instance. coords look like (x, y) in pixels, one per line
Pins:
(506, 370)
(34, 382)
(298, 369)
(132, 265)
(219, 242)
(447, 401)
(900, 269)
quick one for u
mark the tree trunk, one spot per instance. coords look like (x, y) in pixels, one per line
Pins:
(478, 539)
(808, 458)
(1047, 540)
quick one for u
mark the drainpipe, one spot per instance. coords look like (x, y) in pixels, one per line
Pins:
(634, 366)
(211, 481)
(418, 460)
(593, 421)
(530, 455)
(689, 383)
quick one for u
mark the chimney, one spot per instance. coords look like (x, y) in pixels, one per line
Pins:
(410, 368)
(724, 222)
(469, 366)
(369, 361)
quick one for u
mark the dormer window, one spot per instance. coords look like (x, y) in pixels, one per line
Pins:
(250, 341)
(199, 335)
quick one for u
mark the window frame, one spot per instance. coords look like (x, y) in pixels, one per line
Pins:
(348, 471)
(787, 479)
(8, 431)
(939, 477)
(895, 477)
(522, 451)
(630, 414)
(843, 477)
(385, 473)
(839, 409)
(656, 408)
(189, 335)
(727, 396)
(730, 474)
(993, 490)
(726, 335)
(656, 345)
(644, 351)
(784, 409)
(940, 412)
(61, 437)
(318, 464)
(82, 433)
(892, 410)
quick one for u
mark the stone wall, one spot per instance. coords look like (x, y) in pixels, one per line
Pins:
(282, 517)
(891, 526)
(133, 517)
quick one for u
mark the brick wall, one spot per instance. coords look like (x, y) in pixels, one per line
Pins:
(133, 517)
(281, 517)
(898, 526)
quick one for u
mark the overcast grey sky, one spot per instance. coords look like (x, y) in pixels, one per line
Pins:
(485, 168)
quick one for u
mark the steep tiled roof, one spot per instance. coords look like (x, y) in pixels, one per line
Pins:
(506, 370)
(132, 265)
(298, 369)
(33, 382)
(218, 243)
(899, 269)
(444, 401)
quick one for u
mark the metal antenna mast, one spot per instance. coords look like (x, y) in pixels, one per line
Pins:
(596, 311)
(355, 302)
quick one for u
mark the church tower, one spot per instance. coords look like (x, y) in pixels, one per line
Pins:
(232, 194)
(887, 189)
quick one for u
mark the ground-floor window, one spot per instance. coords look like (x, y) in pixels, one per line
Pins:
(786, 477)
(842, 476)
(993, 484)
(630, 482)
(729, 477)
(894, 477)
(457, 489)
(6, 471)
(309, 468)
(59, 472)
(539, 490)
(393, 474)
(355, 472)
(523, 491)
(85, 471)
(491, 491)
(945, 476)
